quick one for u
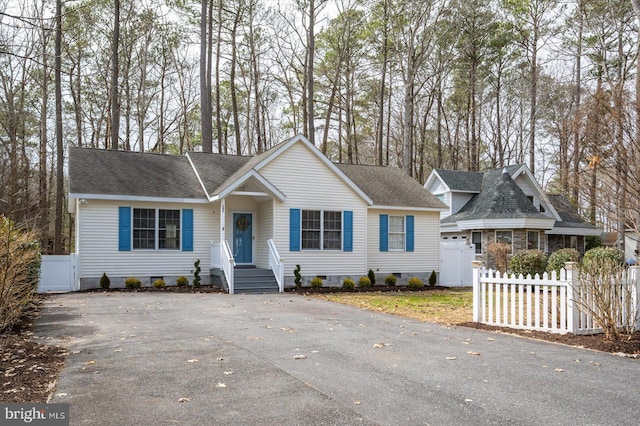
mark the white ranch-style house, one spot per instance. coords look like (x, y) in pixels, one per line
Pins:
(249, 220)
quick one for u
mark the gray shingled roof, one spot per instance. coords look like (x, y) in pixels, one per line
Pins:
(500, 198)
(126, 173)
(216, 169)
(390, 186)
(107, 172)
(458, 180)
(568, 213)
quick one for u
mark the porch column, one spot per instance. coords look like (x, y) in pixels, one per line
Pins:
(222, 221)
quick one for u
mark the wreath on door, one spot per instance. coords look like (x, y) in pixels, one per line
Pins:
(242, 223)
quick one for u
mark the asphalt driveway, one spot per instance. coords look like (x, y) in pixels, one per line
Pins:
(216, 359)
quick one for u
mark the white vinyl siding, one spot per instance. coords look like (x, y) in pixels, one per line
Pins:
(98, 242)
(263, 232)
(426, 254)
(309, 184)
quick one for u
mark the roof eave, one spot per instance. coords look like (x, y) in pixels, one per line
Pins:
(124, 197)
(514, 223)
(271, 188)
(407, 208)
(586, 232)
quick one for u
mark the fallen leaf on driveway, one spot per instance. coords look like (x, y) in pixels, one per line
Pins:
(191, 361)
(89, 362)
(381, 345)
(228, 373)
(287, 329)
(183, 400)
(299, 357)
(559, 370)
(451, 358)
(221, 385)
(473, 353)
(356, 402)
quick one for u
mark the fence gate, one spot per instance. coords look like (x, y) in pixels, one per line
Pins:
(58, 273)
(455, 263)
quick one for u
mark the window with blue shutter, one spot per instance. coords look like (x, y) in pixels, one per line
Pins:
(124, 228)
(384, 232)
(187, 230)
(347, 243)
(294, 230)
(410, 220)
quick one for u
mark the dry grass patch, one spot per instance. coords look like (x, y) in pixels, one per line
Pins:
(451, 306)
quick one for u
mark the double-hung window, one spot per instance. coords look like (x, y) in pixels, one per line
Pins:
(156, 229)
(321, 230)
(533, 240)
(476, 238)
(396, 233)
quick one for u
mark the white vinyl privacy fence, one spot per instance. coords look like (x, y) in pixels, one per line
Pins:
(554, 303)
(59, 274)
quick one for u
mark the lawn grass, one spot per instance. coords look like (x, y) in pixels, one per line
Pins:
(451, 306)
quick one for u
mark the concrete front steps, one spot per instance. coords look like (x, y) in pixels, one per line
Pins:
(252, 280)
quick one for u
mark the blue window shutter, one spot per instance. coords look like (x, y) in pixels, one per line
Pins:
(347, 236)
(187, 230)
(410, 233)
(384, 232)
(124, 228)
(294, 230)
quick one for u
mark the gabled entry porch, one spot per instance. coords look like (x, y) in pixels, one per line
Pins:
(246, 259)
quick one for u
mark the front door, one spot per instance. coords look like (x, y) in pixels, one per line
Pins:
(243, 238)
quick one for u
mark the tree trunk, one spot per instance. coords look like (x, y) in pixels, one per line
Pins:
(115, 102)
(57, 233)
(383, 81)
(533, 94)
(221, 148)
(232, 82)
(205, 88)
(310, 59)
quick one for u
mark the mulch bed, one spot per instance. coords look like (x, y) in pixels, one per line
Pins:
(628, 347)
(167, 289)
(28, 370)
(375, 288)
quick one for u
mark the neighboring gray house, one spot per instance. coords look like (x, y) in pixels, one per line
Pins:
(150, 215)
(506, 205)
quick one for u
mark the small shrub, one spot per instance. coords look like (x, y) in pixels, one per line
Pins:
(499, 253)
(372, 276)
(348, 284)
(182, 281)
(414, 283)
(196, 274)
(391, 280)
(298, 277)
(528, 262)
(364, 282)
(105, 282)
(600, 256)
(433, 278)
(159, 283)
(605, 293)
(132, 283)
(316, 282)
(19, 272)
(559, 258)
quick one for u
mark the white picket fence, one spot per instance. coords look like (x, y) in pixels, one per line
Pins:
(554, 302)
